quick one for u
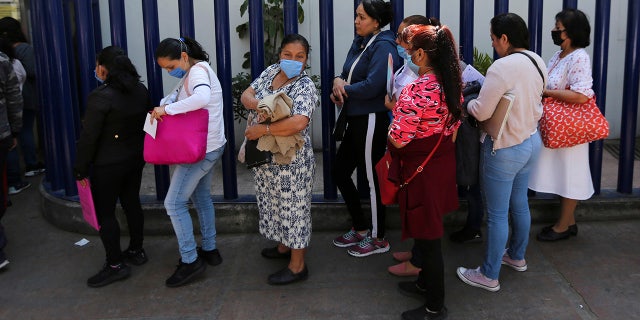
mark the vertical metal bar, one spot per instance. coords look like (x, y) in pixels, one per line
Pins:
(398, 14)
(185, 12)
(223, 61)
(67, 9)
(256, 38)
(600, 61)
(118, 24)
(41, 48)
(535, 25)
(87, 60)
(290, 11)
(500, 6)
(466, 31)
(97, 30)
(629, 98)
(327, 67)
(571, 4)
(154, 80)
(433, 9)
(60, 86)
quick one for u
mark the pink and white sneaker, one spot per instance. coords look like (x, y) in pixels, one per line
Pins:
(475, 278)
(348, 239)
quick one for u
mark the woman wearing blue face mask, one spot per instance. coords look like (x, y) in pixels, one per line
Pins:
(198, 88)
(283, 191)
(109, 153)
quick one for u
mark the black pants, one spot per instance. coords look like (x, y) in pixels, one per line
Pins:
(363, 145)
(5, 144)
(432, 275)
(475, 211)
(108, 184)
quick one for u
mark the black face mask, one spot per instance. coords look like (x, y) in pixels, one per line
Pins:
(555, 35)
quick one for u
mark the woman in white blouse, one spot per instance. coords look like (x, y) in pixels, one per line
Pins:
(565, 171)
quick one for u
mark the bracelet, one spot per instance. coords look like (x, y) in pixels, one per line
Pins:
(268, 130)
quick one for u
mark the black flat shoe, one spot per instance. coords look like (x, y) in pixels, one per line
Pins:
(286, 276)
(573, 229)
(547, 234)
(273, 253)
(423, 314)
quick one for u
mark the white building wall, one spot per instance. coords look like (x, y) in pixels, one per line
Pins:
(343, 25)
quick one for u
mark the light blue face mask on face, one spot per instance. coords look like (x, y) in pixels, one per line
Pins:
(407, 58)
(177, 72)
(95, 73)
(291, 68)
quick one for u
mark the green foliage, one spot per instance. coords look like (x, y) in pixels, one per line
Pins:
(481, 61)
(273, 27)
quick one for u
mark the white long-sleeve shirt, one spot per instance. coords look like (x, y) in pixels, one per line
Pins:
(201, 89)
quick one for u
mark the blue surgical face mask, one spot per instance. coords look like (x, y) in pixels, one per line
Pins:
(412, 66)
(177, 72)
(402, 52)
(291, 68)
(95, 73)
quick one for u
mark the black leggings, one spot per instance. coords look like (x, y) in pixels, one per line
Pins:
(364, 143)
(108, 184)
(432, 275)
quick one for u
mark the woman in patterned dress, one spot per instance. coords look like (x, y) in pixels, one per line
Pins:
(283, 191)
(425, 119)
(565, 171)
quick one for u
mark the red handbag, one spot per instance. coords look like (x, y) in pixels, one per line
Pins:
(566, 124)
(389, 189)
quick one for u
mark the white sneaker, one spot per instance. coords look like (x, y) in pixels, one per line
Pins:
(4, 264)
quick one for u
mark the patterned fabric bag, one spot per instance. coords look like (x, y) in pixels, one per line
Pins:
(566, 124)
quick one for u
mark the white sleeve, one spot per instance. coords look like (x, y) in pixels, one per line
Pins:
(199, 88)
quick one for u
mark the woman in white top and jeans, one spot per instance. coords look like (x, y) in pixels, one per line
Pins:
(184, 58)
(505, 163)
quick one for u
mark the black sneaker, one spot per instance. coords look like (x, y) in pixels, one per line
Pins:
(466, 235)
(423, 313)
(109, 274)
(135, 257)
(412, 289)
(212, 257)
(15, 189)
(34, 171)
(186, 272)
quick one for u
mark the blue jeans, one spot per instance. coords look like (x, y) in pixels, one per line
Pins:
(504, 177)
(193, 181)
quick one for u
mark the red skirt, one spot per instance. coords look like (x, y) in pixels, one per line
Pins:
(432, 193)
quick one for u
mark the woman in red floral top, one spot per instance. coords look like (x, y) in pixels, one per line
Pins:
(425, 118)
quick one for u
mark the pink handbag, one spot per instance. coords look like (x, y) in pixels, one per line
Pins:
(86, 203)
(180, 138)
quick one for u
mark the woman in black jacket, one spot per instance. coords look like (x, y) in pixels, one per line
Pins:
(110, 153)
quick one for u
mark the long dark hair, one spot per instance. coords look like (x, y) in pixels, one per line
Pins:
(439, 45)
(11, 29)
(122, 75)
(172, 48)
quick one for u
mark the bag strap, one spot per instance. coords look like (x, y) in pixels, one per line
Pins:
(535, 64)
(353, 65)
(421, 166)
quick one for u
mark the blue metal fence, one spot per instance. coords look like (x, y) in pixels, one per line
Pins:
(63, 96)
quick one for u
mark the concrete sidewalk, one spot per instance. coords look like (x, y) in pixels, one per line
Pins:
(595, 275)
